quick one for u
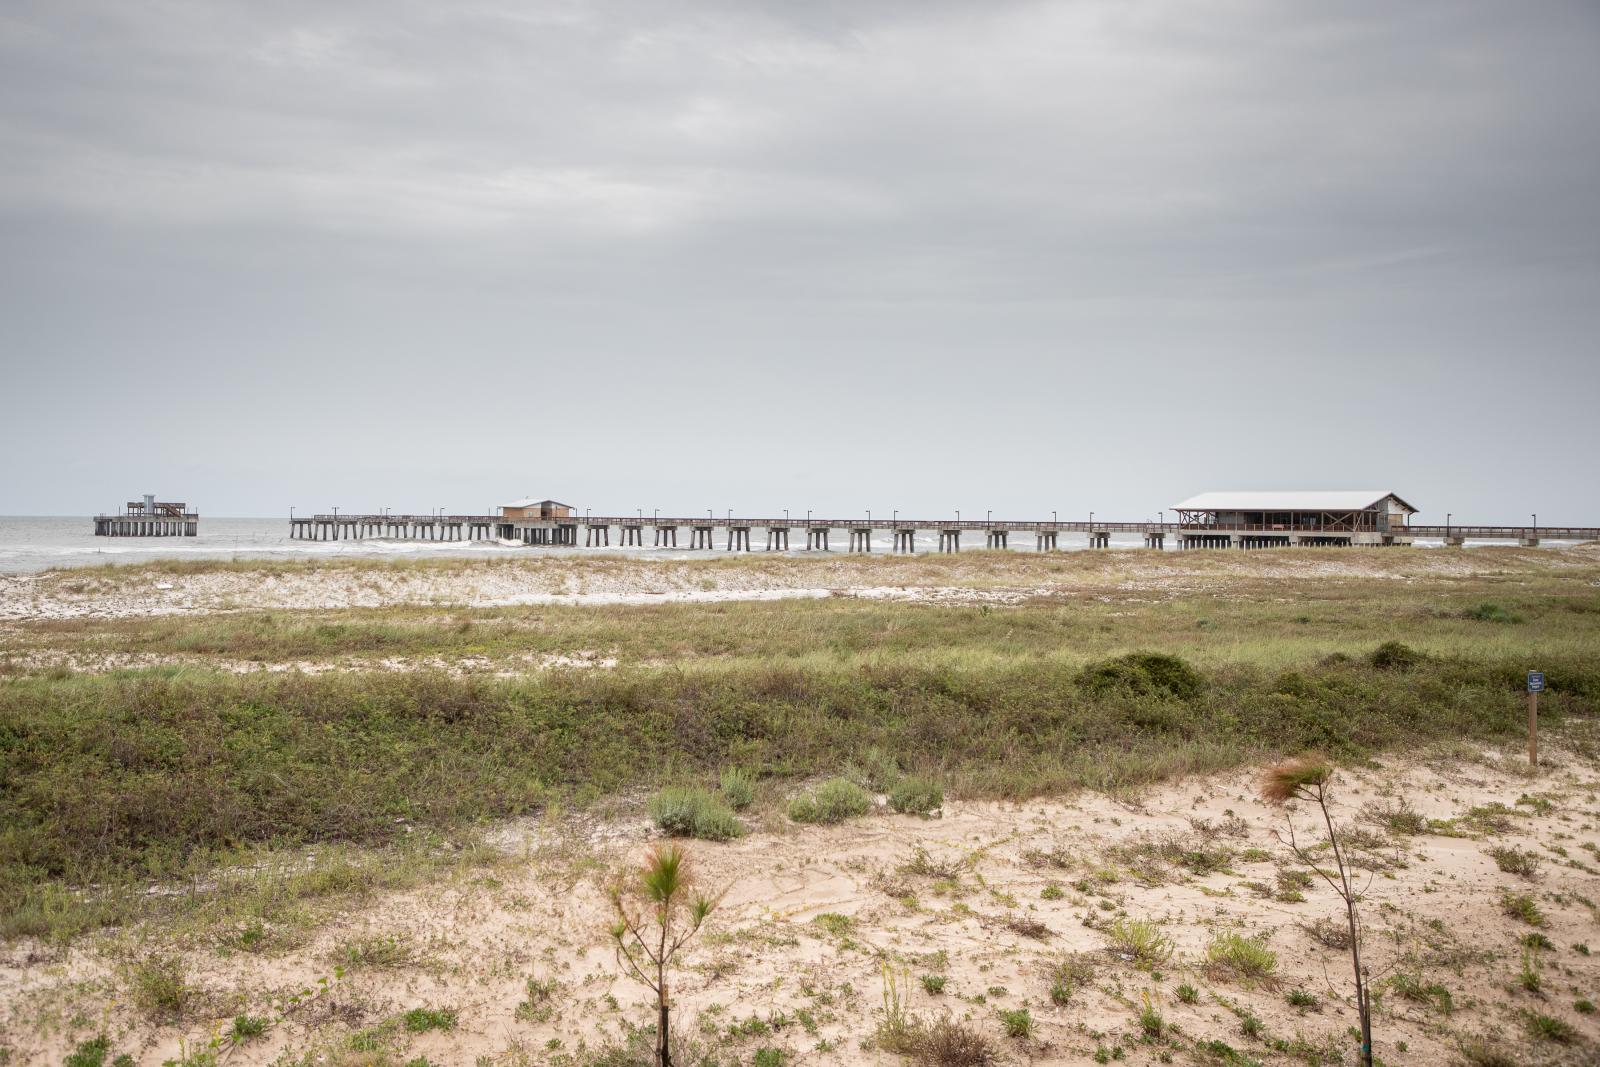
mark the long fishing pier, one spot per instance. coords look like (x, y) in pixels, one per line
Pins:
(861, 533)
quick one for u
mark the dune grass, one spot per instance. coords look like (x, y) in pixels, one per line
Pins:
(125, 777)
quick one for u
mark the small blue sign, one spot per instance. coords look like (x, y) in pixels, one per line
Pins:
(1536, 681)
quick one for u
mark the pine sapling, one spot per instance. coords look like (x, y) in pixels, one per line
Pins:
(1307, 778)
(657, 911)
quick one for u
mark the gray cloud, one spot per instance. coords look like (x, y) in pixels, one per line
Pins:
(917, 254)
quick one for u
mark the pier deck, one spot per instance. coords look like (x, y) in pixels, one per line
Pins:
(862, 530)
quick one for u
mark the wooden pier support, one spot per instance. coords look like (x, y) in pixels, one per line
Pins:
(995, 539)
(777, 538)
(738, 539)
(666, 536)
(632, 536)
(700, 537)
(1155, 539)
(1044, 541)
(860, 539)
(949, 540)
(596, 535)
(1099, 539)
(905, 540)
(817, 539)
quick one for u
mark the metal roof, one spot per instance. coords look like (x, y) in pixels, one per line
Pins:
(1294, 500)
(528, 502)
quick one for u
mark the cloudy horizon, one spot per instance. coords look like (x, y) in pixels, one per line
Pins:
(1023, 256)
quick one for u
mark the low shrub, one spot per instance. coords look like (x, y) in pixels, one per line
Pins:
(1395, 656)
(1018, 1023)
(421, 1020)
(1147, 673)
(915, 795)
(1245, 958)
(692, 812)
(738, 788)
(1522, 906)
(160, 989)
(933, 984)
(1140, 941)
(947, 1043)
(1515, 861)
(1489, 611)
(833, 801)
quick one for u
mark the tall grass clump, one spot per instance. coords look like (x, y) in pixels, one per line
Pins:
(738, 788)
(691, 812)
(915, 795)
(833, 801)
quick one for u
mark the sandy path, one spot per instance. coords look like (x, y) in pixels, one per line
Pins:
(814, 987)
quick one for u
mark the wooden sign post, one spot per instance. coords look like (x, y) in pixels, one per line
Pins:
(1535, 686)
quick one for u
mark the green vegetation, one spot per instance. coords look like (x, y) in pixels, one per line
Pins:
(833, 801)
(1243, 958)
(1522, 906)
(421, 1020)
(1141, 941)
(1516, 861)
(1489, 611)
(159, 988)
(738, 788)
(90, 1053)
(933, 984)
(117, 779)
(1018, 1023)
(692, 812)
(915, 795)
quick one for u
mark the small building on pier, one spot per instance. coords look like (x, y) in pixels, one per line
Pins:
(535, 510)
(149, 518)
(1252, 519)
(537, 522)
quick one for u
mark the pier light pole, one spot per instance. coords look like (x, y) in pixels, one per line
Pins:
(335, 514)
(291, 512)
(786, 516)
(988, 516)
(897, 516)
(1447, 518)
(1053, 519)
(808, 516)
(641, 513)
(869, 516)
(958, 514)
(1091, 518)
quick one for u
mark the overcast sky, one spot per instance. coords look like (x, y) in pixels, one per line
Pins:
(923, 255)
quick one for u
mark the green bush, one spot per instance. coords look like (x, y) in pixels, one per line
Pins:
(738, 788)
(1149, 673)
(914, 795)
(833, 801)
(1018, 1023)
(1489, 611)
(693, 812)
(90, 1053)
(1141, 940)
(421, 1020)
(1394, 656)
(1245, 958)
